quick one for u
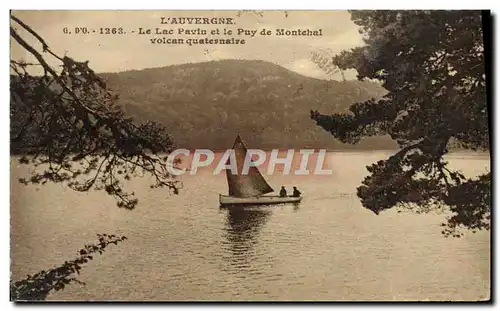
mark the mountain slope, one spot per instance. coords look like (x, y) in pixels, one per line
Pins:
(204, 105)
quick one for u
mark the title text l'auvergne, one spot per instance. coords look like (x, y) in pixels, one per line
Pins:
(197, 20)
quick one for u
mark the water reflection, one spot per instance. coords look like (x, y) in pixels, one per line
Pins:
(241, 233)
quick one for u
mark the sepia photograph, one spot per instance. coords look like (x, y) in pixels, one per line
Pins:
(272, 155)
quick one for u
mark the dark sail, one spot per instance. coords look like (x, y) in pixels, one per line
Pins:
(244, 186)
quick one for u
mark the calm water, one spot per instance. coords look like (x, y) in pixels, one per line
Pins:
(186, 248)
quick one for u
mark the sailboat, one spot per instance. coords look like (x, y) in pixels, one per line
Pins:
(249, 189)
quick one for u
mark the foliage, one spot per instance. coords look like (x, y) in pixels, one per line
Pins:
(68, 123)
(38, 286)
(432, 64)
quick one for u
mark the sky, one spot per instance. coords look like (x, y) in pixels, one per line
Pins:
(114, 53)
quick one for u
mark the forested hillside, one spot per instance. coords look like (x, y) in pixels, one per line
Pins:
(204, 105)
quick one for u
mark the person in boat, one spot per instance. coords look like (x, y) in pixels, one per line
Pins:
(296, 192)
(283, 192)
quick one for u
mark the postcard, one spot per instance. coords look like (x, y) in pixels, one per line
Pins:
(250, 156)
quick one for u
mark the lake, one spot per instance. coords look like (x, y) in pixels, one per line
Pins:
(185, 247)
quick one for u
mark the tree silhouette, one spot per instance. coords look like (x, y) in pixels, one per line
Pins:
(432, 64)
(38, 286)
(68, 123)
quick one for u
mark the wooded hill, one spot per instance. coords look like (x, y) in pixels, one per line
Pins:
(204, 105)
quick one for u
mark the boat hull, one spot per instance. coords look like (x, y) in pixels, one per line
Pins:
(226, 200)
